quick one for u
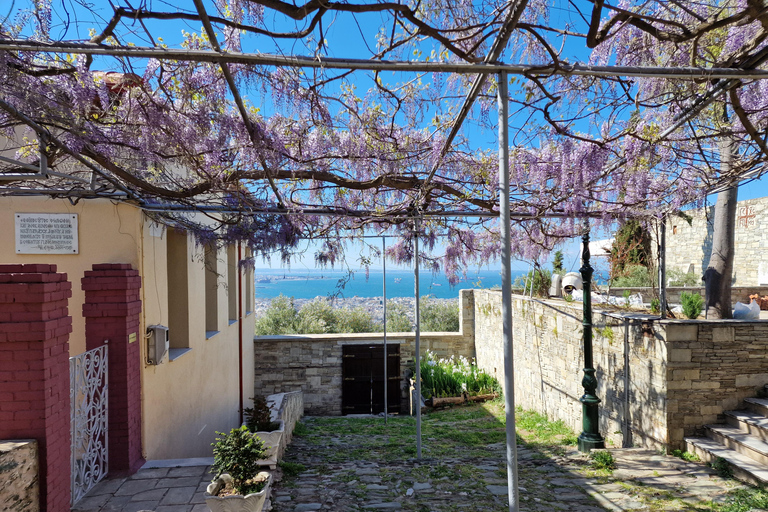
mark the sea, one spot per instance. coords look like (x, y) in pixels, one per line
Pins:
(311, 283)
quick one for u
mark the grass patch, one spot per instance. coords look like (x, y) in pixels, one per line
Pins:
(292, 469)
(687, 456)
(602, 460)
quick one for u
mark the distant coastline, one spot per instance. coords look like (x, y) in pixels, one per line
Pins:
(311, 283)
(373, 305)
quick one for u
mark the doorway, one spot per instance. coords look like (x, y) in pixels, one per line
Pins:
(362, 373)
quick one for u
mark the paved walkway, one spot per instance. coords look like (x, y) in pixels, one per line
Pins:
(548, 484)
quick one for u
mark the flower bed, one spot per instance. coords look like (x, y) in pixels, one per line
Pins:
(454, 377)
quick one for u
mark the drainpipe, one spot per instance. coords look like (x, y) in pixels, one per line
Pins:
(240, 327)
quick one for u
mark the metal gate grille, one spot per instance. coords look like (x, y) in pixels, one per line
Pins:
(88, 398)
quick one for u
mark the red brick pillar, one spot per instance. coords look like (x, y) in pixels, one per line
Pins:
(34, 371)
(111, 310)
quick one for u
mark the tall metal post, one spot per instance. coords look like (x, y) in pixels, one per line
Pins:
(384, 291)
(506, 294)
(590, 437)
(417, 355)
(662, 250)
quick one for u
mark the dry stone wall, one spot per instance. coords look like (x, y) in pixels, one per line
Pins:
(19, 488)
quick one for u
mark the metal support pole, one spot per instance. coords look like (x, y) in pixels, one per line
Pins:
(590, 437)
(384, 291)
(417, 355)
(506, 294)
(662, 251)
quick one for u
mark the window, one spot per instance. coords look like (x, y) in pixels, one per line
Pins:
(232, 282)
(248, 278)
(177, 260)
(211, 291)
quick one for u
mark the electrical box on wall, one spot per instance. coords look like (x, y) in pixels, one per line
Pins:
(157, 343)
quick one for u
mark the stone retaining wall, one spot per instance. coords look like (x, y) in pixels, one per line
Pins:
(658, 380)
(19, 472)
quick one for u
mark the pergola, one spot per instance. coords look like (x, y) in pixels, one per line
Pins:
(264, 182)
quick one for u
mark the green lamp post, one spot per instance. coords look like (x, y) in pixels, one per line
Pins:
(590, 438)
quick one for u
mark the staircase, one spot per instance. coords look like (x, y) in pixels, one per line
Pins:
(742, 442)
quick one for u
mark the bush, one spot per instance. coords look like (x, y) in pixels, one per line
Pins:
(397, 318)
(281, 317)
(355, 320)
(438, 316)
(634, 276)
(238, 454)
(540, 279)
(316, 317)
(451, 377)
(692, 304)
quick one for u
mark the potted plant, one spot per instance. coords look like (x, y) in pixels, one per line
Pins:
(258, 419)
(238, 485)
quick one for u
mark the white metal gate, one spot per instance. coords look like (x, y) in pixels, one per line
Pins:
(88, 398)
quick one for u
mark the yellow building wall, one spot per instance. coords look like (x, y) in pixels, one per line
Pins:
(108, 233)
(186, 400)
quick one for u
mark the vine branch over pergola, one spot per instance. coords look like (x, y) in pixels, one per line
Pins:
(628, 129)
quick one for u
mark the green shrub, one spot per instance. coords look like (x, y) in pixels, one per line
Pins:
(438, 316)
(355, 320)
(634, 276)
(281, 317)
(397, 318)
(539, 280)
(238, 454)
(692, 304)
(655, 306)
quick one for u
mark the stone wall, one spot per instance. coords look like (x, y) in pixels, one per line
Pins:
(689, 246)
(712, 367)
(19, 489)
(548, 360)
(658, 380)
(312, 363)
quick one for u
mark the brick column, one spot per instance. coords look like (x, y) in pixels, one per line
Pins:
(112, 309)
(34, 371)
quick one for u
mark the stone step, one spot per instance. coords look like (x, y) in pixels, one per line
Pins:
(737, 440)
(744, 468)
(757, 405)
(749, 422)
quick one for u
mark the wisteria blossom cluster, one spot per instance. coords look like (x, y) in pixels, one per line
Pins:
(454, 376)
(340, 153)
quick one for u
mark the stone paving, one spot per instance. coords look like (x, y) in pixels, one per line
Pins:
(337, 477)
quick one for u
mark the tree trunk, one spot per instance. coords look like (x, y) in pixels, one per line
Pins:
(717, 277)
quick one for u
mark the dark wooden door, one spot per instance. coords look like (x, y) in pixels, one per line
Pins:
(362, 372)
